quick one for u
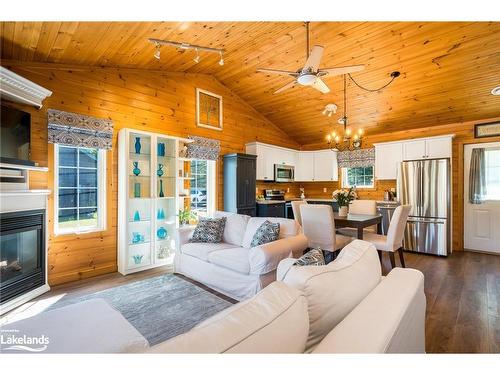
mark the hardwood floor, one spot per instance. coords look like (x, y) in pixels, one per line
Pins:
(463, 299)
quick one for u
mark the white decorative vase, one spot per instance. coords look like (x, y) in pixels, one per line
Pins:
(343, 211)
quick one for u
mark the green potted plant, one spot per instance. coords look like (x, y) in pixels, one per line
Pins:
(186, 215)
(343, 198)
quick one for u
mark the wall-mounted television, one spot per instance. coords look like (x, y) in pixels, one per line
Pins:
(15, 136)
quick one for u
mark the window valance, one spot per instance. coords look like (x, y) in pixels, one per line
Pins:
(73, 129)
(203, 148)
(356, 158)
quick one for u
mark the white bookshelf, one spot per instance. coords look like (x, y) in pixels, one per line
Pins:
(147, 202)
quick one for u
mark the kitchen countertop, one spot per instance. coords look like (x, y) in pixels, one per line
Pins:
(274, 201)
(262, 201)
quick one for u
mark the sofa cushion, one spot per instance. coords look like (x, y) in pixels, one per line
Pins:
(273, 321)
(235, 259)
(235, 227)
(267, 232)
(202, 250)
(332, 291)
(313, 257)
(288, 228)
(209, 230)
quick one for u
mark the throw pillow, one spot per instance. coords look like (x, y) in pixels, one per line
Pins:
(313, 257)
(267, 232)
(209, 230)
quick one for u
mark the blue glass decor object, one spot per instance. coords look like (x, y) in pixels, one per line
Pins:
(136, 169)
(137, 258)
(161, 233)
(162, 214)
(159, 172)
(158, 214)
(137, 217)
(161, 195)
(137, 190)
(137, 145)
(161, 149)
(137, 237)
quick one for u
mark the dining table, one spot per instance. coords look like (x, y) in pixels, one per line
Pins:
(358, 221)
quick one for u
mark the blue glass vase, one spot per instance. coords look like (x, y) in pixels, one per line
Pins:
(136, 169)
(137, 145)
(161, 195)
(137, 190)
(161, 233)
(161, 149)
(159, 172)
(137, 217)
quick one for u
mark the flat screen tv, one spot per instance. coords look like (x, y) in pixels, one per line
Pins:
(15, 136)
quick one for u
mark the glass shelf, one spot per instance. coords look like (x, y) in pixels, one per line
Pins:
(140, 221)
(139, 243)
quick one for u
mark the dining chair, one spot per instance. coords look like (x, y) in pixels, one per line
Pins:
(360, 207)
(318, 225)
(393, 242)
(296, 210)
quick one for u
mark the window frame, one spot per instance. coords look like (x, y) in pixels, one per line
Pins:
(345, 184)
(489, 198)
(211, 191)
(101, 193)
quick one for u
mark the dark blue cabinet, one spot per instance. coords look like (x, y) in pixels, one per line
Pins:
(239, 183)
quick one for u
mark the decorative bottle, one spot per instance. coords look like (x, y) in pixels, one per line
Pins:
(159, 172)
(161, 195)
(137, 145)
(137, 190)
(136, 169)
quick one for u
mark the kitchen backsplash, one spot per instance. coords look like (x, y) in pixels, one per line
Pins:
(316, 189)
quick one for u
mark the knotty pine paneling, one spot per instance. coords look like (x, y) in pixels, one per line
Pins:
(146, 100)
(464, 134)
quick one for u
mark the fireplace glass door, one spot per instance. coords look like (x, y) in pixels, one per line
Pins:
(21, 254)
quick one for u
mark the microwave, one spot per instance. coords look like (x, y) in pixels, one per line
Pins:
(283, 173)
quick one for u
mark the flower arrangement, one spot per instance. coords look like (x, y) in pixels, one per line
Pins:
(187, 216)
(344, 197)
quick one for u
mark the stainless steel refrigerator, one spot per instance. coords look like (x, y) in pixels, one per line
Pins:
(426, 186)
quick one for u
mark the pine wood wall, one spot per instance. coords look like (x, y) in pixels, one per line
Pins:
(146, 100)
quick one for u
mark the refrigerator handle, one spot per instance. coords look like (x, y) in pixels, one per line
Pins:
(421, 190)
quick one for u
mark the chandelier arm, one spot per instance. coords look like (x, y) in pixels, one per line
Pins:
(394, 75)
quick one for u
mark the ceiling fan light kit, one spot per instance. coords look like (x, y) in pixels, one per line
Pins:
(186, 46)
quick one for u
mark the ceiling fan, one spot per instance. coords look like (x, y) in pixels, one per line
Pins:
(310, 74)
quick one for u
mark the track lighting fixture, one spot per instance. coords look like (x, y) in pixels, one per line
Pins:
(157, 52)
(221, 61)
(197, 58)
(186, 46)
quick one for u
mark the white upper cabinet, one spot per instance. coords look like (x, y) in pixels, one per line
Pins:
(304, 168)
(413, 150)
(325, 166)
(387, 159)
(427, 148)
(265, 165)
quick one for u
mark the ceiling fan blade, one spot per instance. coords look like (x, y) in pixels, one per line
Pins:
(278, 71)
(287, 86)
(321, 86)
(341, 70)
(312, 63)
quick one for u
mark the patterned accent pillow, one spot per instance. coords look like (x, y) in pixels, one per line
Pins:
(209, 230)
(267, 232)
(313, 257)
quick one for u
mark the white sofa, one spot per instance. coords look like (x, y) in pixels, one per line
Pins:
(233, 267)
(320, 309)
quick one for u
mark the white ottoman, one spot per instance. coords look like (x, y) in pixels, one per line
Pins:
(91, 326)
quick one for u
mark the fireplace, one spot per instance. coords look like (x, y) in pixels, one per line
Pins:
(22, 253)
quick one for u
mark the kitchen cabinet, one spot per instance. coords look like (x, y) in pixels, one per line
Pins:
(265, 160)
(388, 156)
(325, 166)
(427, 148)
(271, 209)
(239, 183)
(304, 167)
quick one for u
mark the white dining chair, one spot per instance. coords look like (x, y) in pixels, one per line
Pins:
(318, 225)
(296, 210)
(393, 242)
(360, 207)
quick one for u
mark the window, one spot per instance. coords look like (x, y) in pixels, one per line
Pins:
(360, 177)
(80, 189)
(492, 164)
(203, 186)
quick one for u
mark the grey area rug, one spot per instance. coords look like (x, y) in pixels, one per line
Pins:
(159, 308)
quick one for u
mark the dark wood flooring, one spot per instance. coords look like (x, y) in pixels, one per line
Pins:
(463, 299)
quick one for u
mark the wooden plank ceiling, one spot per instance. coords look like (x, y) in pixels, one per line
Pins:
(448, 69)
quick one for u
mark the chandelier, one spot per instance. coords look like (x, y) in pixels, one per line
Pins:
(349, 141)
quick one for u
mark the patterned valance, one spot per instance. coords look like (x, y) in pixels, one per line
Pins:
(203, 148)
(73, 129)
(356, 158)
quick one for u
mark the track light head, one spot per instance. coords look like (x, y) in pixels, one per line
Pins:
(197, 58)
(221, 61)
(157, 52)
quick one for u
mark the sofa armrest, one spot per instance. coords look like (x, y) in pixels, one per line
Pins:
(391, 319)
(283, 268)
(184, 234)
(265, 258)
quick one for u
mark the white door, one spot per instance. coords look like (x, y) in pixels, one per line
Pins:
(268, 155)
(387, 159)
(438, 148)
(304, 170)
(414, 150)
(482, 221)
(323, 165)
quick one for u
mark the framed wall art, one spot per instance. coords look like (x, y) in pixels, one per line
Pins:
(208, 109)
(490, 129)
